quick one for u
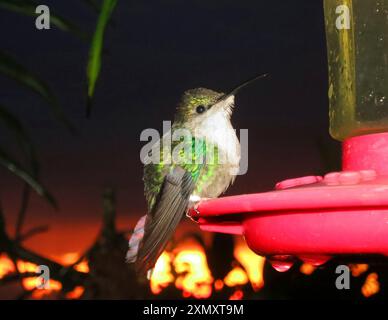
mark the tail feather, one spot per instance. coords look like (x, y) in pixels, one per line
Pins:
(135, 240)
(157, 229)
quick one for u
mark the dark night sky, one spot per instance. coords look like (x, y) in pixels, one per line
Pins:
(154, 51)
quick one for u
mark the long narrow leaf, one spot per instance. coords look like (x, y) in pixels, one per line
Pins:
(12, 69)
(16, 128)
(95, 52)
(13, 167)
(28, 7)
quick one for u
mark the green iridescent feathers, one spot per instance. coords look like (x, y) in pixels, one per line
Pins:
(195, 156)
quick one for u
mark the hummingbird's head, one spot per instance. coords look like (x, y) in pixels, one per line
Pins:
(199, 104)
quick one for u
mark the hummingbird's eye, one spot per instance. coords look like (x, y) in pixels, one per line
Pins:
(200, 109)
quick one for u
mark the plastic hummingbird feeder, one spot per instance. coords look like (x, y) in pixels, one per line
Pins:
(314, 218)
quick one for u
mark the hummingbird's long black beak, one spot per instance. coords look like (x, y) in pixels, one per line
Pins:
(242, 85)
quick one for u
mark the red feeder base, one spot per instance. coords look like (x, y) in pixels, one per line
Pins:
(313, 218)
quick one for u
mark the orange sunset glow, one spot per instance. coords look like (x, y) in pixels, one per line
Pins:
(30, 283)
(193, 276)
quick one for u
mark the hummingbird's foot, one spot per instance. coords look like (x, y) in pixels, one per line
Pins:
(193, 212)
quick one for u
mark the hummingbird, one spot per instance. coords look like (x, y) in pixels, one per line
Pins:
(205, 165)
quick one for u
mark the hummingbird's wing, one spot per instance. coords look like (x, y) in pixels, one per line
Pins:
(170, 205)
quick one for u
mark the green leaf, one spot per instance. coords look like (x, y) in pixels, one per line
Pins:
(12, 69)
(95, 52)
(16, 128)
(28, 7)
(16, 169)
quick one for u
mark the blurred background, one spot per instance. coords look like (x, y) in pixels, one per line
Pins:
(88, 166)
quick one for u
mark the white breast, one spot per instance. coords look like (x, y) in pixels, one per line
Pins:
(217, 129)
